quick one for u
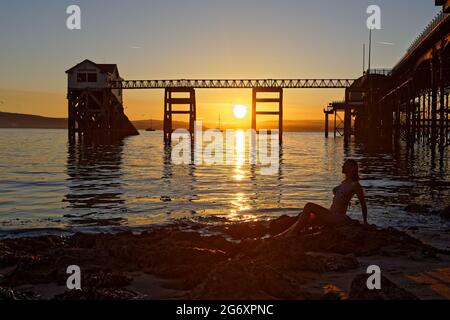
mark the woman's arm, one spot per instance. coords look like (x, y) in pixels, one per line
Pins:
(362, 201)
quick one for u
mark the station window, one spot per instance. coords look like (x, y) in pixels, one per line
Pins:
(81, 77)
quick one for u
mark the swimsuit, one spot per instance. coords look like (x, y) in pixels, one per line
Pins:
(340, 200)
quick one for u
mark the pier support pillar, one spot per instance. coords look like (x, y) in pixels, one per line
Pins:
(170, 100)
(434, 92)
(447, 120)
(97, 113)
(327, 119)
(408, 114)
(71, 125)
(347, 122)
(335, 123)
(397, 116)
(442, 109)
(419, 116)
(278, 99)
(413, 110)
(388, 120)
(428, 115)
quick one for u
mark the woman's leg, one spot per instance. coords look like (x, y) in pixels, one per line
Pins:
(310, 213)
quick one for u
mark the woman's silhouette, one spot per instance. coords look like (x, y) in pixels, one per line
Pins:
(313, 213)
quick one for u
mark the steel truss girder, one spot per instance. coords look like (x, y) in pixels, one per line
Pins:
(234, 84)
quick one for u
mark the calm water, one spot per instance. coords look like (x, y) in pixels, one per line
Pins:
(45, 183)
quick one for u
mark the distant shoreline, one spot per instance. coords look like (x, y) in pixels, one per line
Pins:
(27, 121)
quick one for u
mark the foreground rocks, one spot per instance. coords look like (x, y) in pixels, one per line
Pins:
(389, 290)
(253, 266)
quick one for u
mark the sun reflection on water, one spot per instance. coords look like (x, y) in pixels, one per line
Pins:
(134, 182)
(239, 155)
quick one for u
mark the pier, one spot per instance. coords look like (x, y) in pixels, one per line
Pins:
(182, 93)
(408, 102)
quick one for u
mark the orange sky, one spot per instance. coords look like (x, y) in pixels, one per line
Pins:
(175, 39)
(300, 104)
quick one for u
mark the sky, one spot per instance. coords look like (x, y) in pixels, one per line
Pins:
(179, 39)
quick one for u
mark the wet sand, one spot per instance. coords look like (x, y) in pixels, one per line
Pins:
(242, 261)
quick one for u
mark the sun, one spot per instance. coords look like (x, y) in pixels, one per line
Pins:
(240, 111)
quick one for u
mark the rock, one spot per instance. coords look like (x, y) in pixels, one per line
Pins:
(247, 279)
(246, 230)
(445, 213)
(102, 279)
(337, 262)
(209, 267)
(9, 294)
(418, 208)
(98, 294)
(389, 290)
(332, 293)
(281, 224)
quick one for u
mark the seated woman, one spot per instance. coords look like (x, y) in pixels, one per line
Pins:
(338, 212)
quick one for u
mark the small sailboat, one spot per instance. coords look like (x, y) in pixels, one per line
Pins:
(151, 129)
(220, 126)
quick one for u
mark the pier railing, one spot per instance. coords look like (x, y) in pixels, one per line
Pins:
(438, 19)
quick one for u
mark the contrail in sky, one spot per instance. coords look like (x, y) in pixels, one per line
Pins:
(386, 43)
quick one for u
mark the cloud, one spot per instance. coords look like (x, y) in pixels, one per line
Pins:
(135, 47)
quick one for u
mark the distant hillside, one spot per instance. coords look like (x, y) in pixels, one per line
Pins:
(296, 125)
(17, 120)
(157, 124)
(289, 125)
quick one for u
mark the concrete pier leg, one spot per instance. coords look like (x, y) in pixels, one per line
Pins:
(279, 112)
(170, 101)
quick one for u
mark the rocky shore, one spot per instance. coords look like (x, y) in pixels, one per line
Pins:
(242, 261)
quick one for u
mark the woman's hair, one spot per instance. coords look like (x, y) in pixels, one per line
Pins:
(353, 174)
